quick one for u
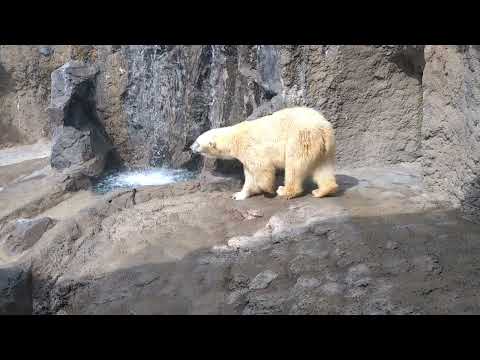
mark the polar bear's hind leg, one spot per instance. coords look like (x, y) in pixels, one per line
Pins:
(324, 171)
(300, 157)
(324, 177)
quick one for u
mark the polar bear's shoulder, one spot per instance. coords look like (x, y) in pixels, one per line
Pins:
(303, 115)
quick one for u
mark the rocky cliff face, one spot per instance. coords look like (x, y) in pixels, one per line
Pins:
(165, 96)
(389, 104)
(155, 100)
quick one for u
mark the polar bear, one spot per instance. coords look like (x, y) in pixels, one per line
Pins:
(298, 140)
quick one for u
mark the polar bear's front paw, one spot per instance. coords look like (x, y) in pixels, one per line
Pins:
(239, 196)
(281, 191)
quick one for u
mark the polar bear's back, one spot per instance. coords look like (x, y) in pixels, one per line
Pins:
(296, 117)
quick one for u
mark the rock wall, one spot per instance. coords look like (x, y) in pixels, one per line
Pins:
(155, 100)
(450, 127)
(25, 91)
(25, 84)
(372, 94)
(171, 94)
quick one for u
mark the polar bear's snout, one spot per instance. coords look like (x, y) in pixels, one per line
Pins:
(195, 147)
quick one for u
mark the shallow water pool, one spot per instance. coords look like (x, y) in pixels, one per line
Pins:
(137, 178)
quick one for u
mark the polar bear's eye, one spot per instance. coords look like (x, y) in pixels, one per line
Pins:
(212, 144)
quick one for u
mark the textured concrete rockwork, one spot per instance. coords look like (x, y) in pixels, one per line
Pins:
(367, 92)
(371, 94)
(174, 93)
(25, 91)
(450, 128)
(154, 100)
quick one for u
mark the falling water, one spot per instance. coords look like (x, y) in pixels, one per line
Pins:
(152, 103)
(155, 98)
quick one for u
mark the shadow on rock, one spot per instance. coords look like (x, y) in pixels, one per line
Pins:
(15, 290)
(423, 263)
(5, 81)
(344, 182)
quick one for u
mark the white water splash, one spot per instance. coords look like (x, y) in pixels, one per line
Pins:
(139, 178)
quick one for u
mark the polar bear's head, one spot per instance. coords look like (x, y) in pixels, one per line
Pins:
(213, 144)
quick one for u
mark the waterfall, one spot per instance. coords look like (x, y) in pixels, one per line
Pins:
(156, 91)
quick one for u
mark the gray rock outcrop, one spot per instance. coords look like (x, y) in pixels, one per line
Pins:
(79, 139)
